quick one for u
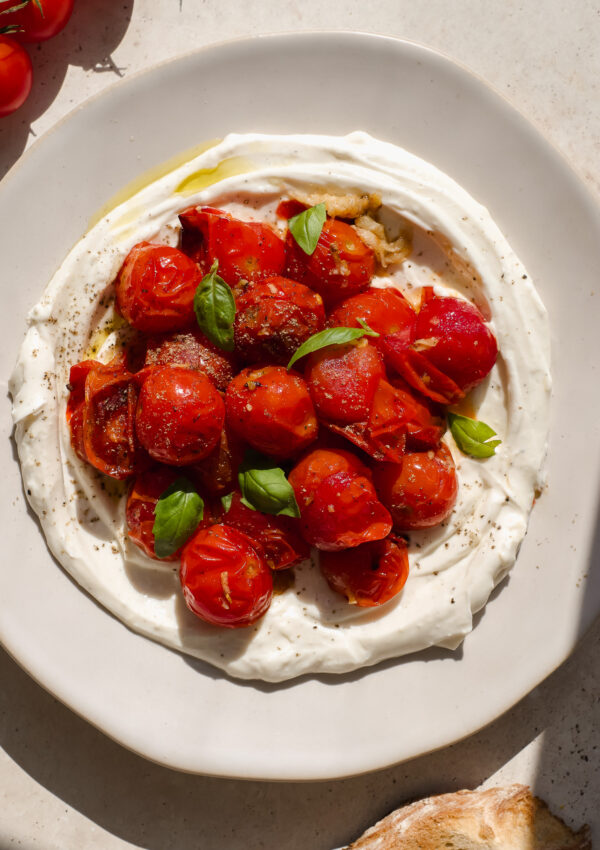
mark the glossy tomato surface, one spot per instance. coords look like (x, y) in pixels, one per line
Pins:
(317, 465)
(155, 288)
(193, 350)
(341, 265)
(217, 473)
(384, 310)
(16, 75)
(270, 408)
(419, 492)
(180, 415)
(413, 364)
(224, 579)
(274, 318)
(244, 250)
(37, 24)
(370, 574)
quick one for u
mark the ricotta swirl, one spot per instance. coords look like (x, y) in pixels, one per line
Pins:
(457, 248)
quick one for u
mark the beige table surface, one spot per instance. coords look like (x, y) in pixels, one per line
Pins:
(63, 784)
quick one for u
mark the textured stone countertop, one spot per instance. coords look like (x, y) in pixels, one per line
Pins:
(63, 785)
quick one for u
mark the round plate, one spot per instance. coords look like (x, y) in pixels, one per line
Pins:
(184, 713)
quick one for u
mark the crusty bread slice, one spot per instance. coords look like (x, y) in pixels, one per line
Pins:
(509, 818)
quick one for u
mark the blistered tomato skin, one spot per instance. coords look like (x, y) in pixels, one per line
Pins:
(180, 415)
(274, 318)
(413, 364)
(155, 288)
(341, 265)
(245, 250)
(192, 350)
(317, 465)
(217, 473)
(344, 512)
(384, 310)
(370, 574)
(419, 492)
(224, 579)
(270, 408)
(342, 380)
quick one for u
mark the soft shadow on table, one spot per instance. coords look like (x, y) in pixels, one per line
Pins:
(91, 35)
(157, 808)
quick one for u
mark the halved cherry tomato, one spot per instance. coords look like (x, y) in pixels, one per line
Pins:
(179, 416)
(38, 24)
(384, 310)
(370, 574)
(217, 473)
(344, 512)
(274, 318)
(341, 265)
(342, 380)
(192, 350)
(317, 465)
(278, 538)
(155, 288)
(245, 250)
(225, 580)
(419, 492)
(16, 75)
(271, 409)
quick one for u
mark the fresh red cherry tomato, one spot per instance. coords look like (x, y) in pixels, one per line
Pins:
(384, 310)
(278, 538)
(179, 416)
(225, 580)
(370, 574)
(340, 266)
(271, 409)
(155, 288)
(274, 318)
(245, 250)
(16, 75)
(317, 465)
(193, 350)
(419, 492)
(344, 512)
(342, 380)
(38, 24)
(458, 342)
(218, 472)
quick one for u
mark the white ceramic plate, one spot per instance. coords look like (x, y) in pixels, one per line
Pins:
(184, 713)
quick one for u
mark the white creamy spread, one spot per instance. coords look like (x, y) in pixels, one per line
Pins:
(308, 628)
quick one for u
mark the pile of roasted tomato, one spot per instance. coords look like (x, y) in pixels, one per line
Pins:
(237, 463)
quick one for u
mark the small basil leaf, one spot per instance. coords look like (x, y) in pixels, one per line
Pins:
(178, 511)
(226, 501)
(265, 488)
(330, 336)
(471, 435)
(214, 306)
(306, 227)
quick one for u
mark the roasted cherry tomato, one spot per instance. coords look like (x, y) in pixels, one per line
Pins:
(342, 380)
(37, 24)
(425, 420)
(340, 266)
(384, 310)
(245, 250)
(457, 340)
(179, 416)
(370, 574)
(16, 75)
(418, 371)
(317, 465)
(274, 318)
(271, 409)
(145, 492)
(155, 288)
(218, 472)
(278, 538)
(225, 580)
(193, 350)
(419, 492)
(344, 512)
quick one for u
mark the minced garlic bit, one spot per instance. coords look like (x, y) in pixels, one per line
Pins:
(340, 205)
(373, 234)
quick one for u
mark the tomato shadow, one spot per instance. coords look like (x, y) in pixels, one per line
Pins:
(91, 36)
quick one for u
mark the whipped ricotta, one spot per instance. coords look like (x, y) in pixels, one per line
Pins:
(457, 248)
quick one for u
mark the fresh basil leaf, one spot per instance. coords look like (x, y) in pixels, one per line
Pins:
(472, 437)
(226, 501)
(306, 227)
(178, 511)
(265, 488)
(214, 306)
(330, 336)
